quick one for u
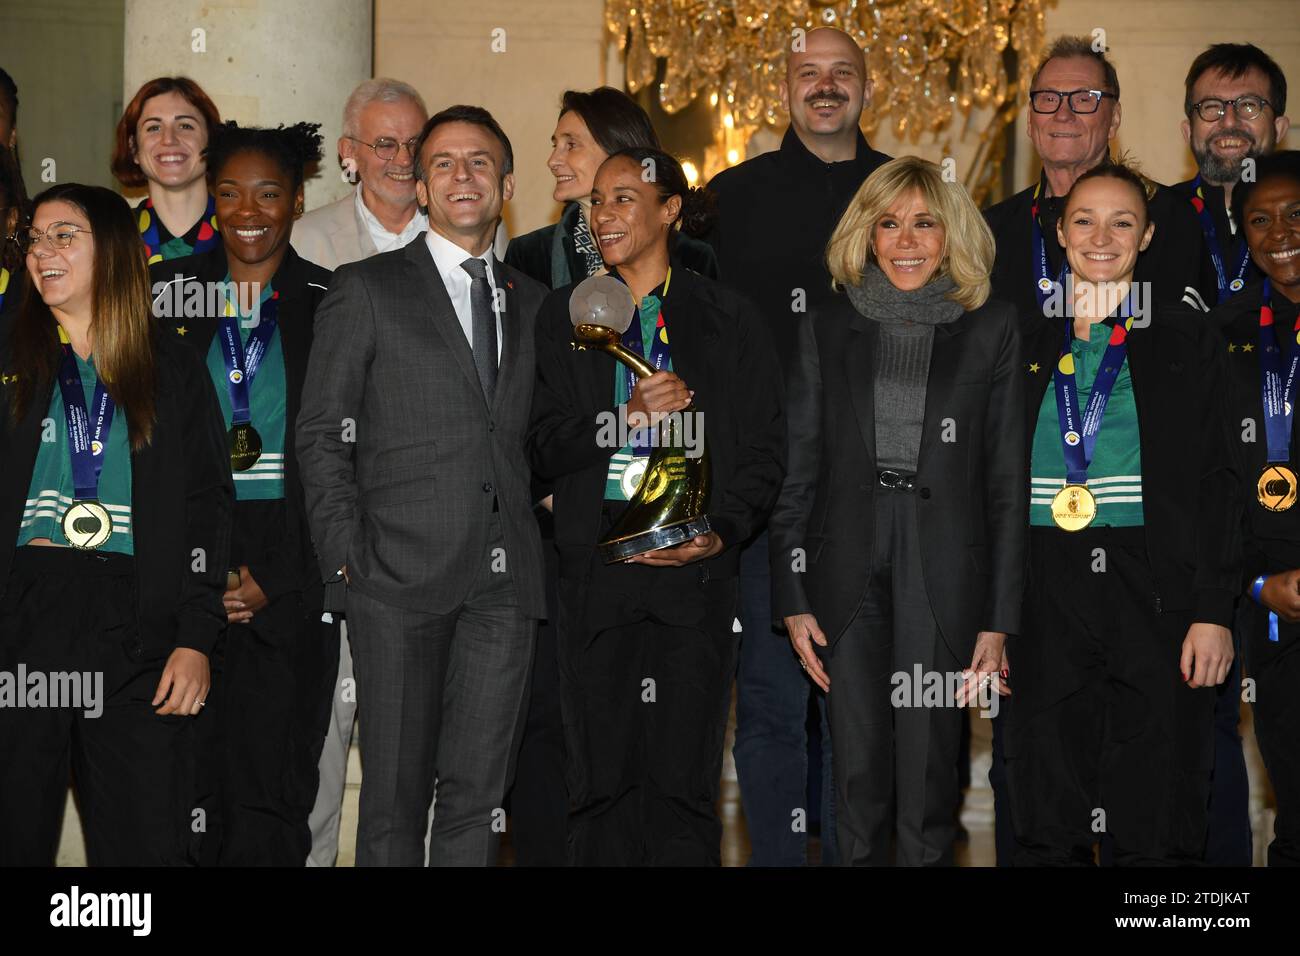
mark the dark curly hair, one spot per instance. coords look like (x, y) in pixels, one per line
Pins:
(294, 147)
(1284, 164)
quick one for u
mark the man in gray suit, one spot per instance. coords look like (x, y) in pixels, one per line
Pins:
(411, 441)
(382, 120)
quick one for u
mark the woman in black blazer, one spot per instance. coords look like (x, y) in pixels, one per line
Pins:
(115, 505)
(646, 648)
(1131, 579)
(275, 664)
(592, 126)
(1263, 317)
(898, 541)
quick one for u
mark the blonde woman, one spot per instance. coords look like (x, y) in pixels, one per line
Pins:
(898, 540)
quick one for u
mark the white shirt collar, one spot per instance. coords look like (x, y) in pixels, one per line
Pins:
(379, 234)
(448, 256)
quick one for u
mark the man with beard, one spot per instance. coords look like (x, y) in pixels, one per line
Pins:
(776, 212)
(1235, 106)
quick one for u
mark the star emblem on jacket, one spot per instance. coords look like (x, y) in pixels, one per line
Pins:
(181, 330)
(1034, 367)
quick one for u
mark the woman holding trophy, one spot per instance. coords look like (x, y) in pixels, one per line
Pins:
(646, 646)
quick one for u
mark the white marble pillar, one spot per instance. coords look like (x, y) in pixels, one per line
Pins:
(263, 62)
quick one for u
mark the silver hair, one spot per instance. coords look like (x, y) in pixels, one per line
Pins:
(382, 90)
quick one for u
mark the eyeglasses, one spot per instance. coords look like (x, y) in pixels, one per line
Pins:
(59, 235)
(1081, 101)
(1247, 107)
(386, 148)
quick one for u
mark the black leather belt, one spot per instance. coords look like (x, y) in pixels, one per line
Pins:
(896, 480)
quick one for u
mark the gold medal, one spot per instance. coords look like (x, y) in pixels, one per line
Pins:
(87, 525)
(630, 480)
(1276, 488)
(1074, 508)
(245, 446)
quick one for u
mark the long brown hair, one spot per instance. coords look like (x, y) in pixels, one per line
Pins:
(120, 327)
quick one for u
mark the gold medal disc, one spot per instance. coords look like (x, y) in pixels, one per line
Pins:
(245, 447)
(1074, 508)
(87, 525)
(1276, 488)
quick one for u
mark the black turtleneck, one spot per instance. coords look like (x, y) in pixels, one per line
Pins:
(776, 212)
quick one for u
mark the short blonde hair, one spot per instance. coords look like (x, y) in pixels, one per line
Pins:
(968, 242)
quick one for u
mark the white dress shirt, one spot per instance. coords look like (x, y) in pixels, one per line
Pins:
(448, 256)
(384, 240)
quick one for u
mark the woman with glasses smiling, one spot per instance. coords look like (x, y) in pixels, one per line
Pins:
(115, 504)
(160, 141)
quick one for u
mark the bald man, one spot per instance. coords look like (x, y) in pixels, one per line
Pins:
(776, 213)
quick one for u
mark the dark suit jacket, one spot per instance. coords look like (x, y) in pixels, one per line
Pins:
(401, 456)
(721, 350)
(973, 493)
(1189, 482)
(291, 565)
(181, 500)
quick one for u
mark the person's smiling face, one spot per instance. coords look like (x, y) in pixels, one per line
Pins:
(1103, 229)
(826, 86)
(908, 241)
(575, 157)
(255, 200)
(627, 216)
(1271, 220)
(64, 278)
(464, 187)
(1067, 138)
(169, 140)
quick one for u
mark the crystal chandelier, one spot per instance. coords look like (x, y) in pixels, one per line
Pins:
(930, 60)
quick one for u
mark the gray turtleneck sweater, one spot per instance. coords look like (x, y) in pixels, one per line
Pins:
(903, 346)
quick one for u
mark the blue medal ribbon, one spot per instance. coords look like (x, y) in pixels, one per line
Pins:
(242, 364)
(1279, 394)
(1227, 288)
(1079, 430)
(1043, 279)
(1256, 589)
(86, 438)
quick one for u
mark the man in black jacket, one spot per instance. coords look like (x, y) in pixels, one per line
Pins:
(1244, 79)
(776, 213)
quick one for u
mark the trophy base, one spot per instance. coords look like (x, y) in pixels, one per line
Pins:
(643, 542)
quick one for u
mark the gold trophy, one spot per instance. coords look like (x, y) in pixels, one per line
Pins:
(668, 506)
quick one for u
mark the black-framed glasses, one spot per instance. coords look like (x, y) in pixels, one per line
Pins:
(1081, 101)
(1213, 109)
(386, 148)
(59, 235)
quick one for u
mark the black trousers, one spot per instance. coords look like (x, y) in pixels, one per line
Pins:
(647, 656)
(269, 711)
(1276, 669)
(538, 802)
(1104, 735)
(895, 766)
(65, 611)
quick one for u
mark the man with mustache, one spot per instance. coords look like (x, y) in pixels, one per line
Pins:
(776, 213)
(1235, 106)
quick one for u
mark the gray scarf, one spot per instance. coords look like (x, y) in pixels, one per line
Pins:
(878, 299)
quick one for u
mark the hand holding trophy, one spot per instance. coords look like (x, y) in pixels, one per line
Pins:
(668, 506)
